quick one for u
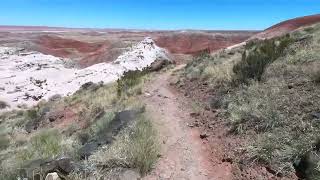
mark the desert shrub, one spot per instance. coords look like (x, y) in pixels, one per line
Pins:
(44, 144)
(104, 97)
(254, 108)
(256, 58)
(3, 105)
(219, 75)
(145, 147)
(129, 80)
(135, 147)
(102, 124)
(32, 114)
(4, 142)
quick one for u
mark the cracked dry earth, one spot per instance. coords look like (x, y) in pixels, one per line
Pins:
(183, 154)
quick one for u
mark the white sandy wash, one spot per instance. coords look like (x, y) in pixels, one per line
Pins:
(27, 78)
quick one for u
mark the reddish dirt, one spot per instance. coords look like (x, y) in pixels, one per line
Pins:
(225, 148)
(184, 154)
(61, 47)
(288, 26)
(85, 53)
(193, 43)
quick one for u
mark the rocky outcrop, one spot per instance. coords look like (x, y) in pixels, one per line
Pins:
(30, 77)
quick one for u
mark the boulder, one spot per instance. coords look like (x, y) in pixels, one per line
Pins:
(55, 97)
(91, 86)
(55, 115)
(159, 64)
(41, 167)
(306, 167)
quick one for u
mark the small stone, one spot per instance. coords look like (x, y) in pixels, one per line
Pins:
(190, 125)
(203, 135)
(52, 176)
(194, 114)
(316, 115)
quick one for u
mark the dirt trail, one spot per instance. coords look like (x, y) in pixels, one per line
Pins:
(184, 154)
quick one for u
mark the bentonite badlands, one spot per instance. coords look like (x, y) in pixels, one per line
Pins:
(27, 77)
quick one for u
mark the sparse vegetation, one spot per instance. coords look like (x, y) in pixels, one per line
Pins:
(44, 144)
(270, 96)
(145, 146)
(94, 107)
(128, 84)
(257, 56)
(136, 147)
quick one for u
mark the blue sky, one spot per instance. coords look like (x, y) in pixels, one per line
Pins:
(155, 14)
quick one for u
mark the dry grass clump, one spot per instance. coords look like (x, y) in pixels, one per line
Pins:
(219, 75)
(136, 147)
(254, 108)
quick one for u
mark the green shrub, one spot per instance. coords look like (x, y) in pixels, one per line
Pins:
(135, 147)
(256, 58)
(102, 124)
(144, 146)
(32, 114)
(45, 144)
(129, 80)
(254, 108)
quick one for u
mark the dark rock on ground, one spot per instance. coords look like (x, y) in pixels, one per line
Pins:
(3, 105)
(316, 115)
(306, 167)
(159, 64)
(203, 135)
(55, 115)
(40, 168)
(54, 98)
(90, 86)
(215, 102)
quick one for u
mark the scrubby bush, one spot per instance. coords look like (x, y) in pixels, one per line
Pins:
(256, 58)
(44, 144)
(102, 124)
(254, 108)
(136, 147)
(32, 114)
(128, 81)
(145, 147)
